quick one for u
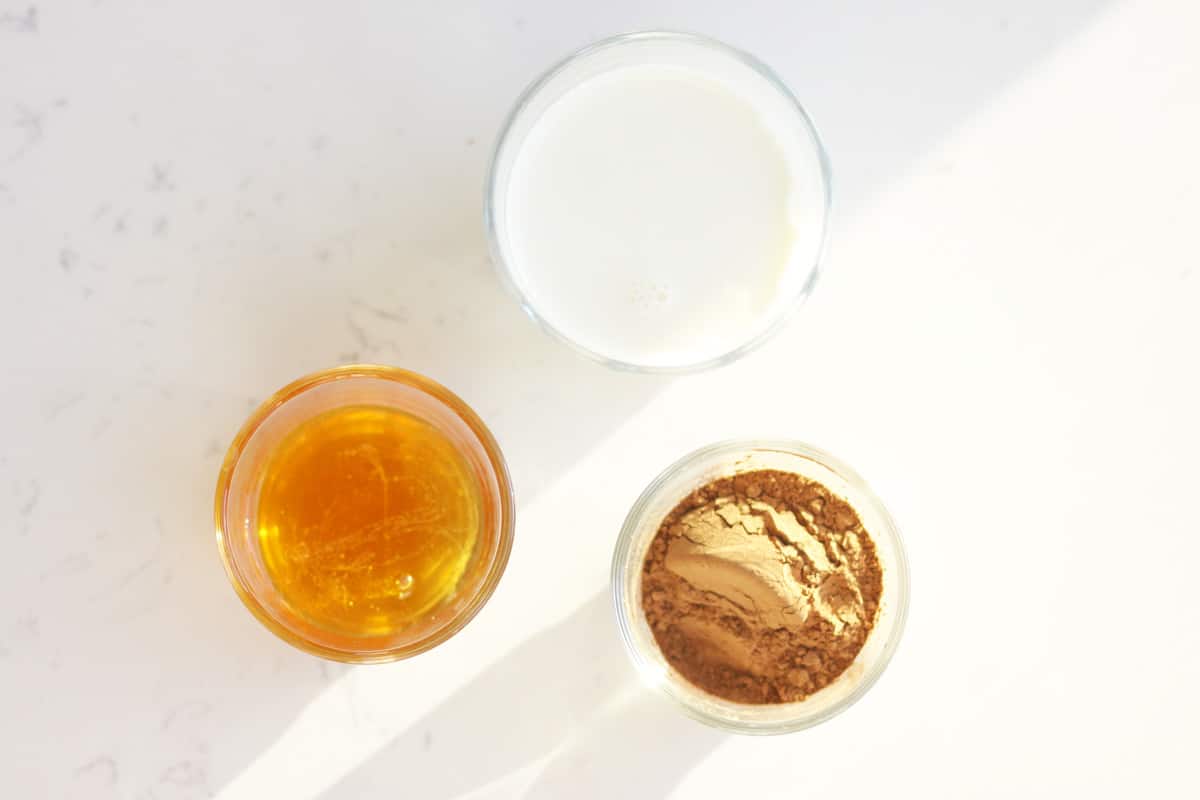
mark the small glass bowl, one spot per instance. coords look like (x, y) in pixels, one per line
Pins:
(731, 458)
(240, 481)
(679, 49)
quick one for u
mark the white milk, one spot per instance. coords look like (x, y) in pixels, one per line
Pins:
(661, 216)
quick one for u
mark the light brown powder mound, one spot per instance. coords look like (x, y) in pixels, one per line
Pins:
(762, 587)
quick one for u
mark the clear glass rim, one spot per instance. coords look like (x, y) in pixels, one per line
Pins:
(624, 614)
(787, 309)
(505, 512)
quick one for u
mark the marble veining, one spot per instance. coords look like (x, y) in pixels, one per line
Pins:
(200, 202)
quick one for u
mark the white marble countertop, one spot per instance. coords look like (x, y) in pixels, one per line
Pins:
(202, 201)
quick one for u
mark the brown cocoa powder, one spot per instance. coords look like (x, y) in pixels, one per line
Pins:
(761, 587)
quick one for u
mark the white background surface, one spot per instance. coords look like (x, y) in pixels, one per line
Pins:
(202, 201)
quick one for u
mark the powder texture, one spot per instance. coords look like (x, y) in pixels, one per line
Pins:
(761, 587)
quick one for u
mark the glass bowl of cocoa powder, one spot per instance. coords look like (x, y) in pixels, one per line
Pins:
(761, 585)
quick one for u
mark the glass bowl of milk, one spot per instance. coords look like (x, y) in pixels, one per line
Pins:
(659, 201)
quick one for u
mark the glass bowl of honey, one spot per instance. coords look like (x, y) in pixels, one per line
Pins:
(364, 514)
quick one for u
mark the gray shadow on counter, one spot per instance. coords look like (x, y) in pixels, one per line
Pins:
(194, 690)
(565, 704)
(225, 689)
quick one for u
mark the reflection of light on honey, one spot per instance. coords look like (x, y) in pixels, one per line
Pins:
(367, 519)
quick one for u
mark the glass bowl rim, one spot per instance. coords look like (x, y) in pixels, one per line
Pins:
(519, 108)
(505, 513)
(643, 662)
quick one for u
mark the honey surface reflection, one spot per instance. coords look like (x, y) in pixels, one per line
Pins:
(367, 519)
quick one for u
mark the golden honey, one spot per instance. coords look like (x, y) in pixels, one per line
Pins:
(367, 519)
